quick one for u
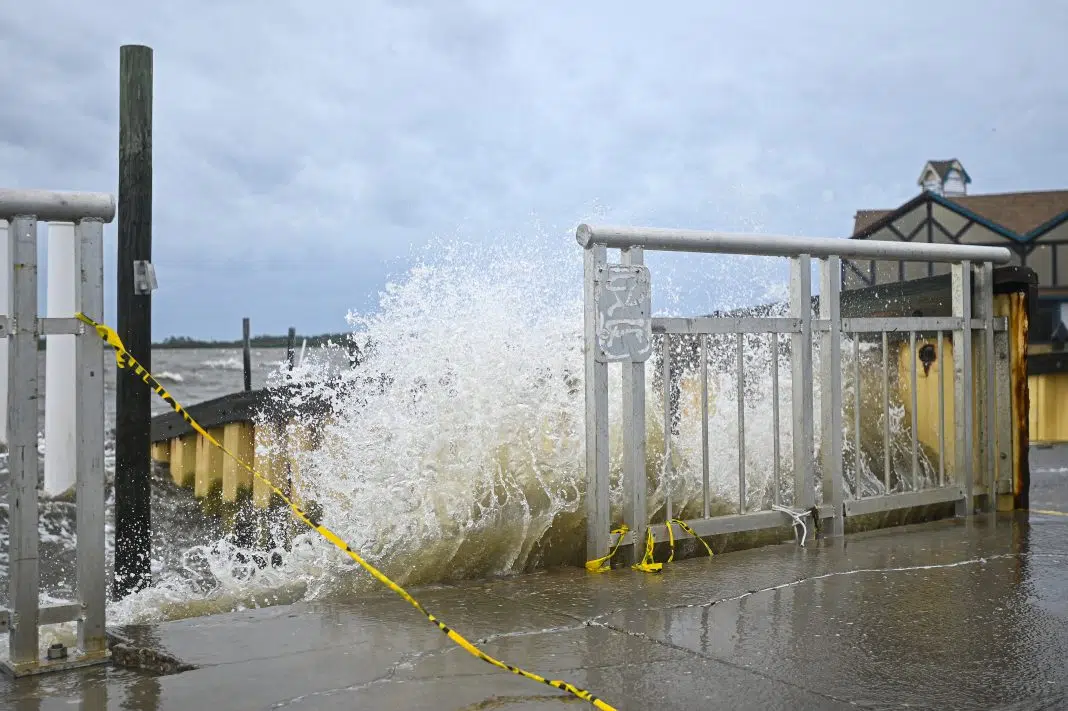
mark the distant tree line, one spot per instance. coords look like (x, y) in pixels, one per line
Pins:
(263, 341)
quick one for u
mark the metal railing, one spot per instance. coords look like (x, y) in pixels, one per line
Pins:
(620, 327)
(21, 325)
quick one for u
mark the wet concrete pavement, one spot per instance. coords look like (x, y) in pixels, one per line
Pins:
(954, 614)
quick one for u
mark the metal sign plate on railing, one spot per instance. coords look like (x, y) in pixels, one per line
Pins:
(624, 313)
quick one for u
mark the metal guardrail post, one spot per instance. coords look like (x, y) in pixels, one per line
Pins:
(987, 406)
(962, 383)
(597, 503)
(89, 450)
(22, 398)
(801, 381)
(636, 513)
(831, 389)
(1003, 385)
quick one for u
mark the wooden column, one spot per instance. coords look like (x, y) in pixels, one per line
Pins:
(134, 320)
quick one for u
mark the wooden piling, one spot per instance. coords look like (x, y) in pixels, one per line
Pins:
(183, 459)
(237, 438)
(209, 464)
(134, 324)
(270, 463)
(247, 352)
(291, 340)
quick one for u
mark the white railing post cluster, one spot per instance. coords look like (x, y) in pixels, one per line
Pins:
(82, 243)
(619, 327)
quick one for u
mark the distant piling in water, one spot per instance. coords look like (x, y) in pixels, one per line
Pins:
(246, 352)
(133, 413)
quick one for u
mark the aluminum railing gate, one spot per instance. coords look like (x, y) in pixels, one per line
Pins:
(22, 210)
(620, 327)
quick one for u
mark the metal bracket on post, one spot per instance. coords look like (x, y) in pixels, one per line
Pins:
(144, 278)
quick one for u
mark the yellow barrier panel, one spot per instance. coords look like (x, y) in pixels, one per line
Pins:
(124, 359)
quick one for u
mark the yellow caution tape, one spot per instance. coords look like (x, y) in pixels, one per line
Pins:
(124, 360)
(647, 564)
(686, 527)
(601, 565)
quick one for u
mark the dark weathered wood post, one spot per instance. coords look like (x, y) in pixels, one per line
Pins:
(133, 413)
(291, 340)
(247, 352)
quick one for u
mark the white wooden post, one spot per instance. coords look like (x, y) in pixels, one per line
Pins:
(59, 465)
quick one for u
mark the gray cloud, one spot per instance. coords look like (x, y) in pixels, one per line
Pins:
(302, 149)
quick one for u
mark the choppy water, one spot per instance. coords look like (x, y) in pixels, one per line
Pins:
(466, 460)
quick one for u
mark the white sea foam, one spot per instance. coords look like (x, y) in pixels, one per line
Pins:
(231, 363)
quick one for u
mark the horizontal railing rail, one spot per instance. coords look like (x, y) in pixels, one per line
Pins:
(677, 240)
(56, 206)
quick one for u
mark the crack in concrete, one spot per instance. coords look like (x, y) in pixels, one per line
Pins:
(496, 702)
(386, 677)
(717, 660)
(823, 576)
(409, 660)
(530, 633)
(294, 653)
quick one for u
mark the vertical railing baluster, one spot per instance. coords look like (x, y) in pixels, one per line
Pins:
(886, 412)
(856, 409)
(941, 413)
(666, 360)
(705, 493)
(775, 434)
(741, 423)
(635, 514)
(915, 413)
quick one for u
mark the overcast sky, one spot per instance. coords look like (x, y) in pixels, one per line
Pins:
(303, 150)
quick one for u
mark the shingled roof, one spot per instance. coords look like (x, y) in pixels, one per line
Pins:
(1019, 213)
